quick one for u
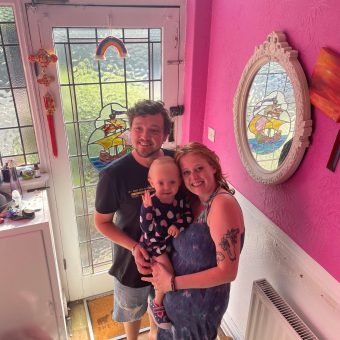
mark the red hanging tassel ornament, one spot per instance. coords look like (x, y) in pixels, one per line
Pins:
(50, 107)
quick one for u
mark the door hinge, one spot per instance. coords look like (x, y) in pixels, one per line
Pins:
(64, 262)
(175, 62)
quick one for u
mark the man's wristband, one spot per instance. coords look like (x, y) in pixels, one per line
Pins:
(173, 286)
(133, 249)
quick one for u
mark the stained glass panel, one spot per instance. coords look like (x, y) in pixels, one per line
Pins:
(95, 95)
(270, 115)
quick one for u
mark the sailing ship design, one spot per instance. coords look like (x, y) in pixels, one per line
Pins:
(114, 138)
(266, 126)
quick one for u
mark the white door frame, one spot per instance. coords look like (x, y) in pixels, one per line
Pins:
(59, 165)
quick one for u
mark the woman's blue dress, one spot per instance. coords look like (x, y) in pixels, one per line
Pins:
(195, 314)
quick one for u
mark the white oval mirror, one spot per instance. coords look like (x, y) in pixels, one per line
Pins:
(272, 112)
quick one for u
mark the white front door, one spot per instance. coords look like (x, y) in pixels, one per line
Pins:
(86, 91)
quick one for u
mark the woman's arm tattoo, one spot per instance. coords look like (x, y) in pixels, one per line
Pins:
(228, 244)
(219, 257)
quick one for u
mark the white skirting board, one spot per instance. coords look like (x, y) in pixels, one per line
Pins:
(230, 328)
(269, 253)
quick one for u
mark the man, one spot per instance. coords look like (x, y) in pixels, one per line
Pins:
(119, 193)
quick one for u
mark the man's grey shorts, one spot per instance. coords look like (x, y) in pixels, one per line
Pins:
(130, 304)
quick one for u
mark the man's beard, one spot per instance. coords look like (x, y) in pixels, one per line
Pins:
(148, 154)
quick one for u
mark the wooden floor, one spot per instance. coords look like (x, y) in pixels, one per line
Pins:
(77, 324)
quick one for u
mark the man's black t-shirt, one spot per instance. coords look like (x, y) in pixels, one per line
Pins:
(118, 191)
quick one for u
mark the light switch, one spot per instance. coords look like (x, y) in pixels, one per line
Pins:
(211, 134)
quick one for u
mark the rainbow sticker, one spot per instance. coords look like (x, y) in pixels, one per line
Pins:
(106, 43)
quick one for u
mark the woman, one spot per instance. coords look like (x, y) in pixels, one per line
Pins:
(205, 256)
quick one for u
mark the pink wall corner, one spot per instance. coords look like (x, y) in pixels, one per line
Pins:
(306, 206)
(196, 68)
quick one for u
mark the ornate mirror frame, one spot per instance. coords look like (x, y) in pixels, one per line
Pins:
(274, 49)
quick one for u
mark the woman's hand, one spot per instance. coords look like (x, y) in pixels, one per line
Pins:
(142, 260)
(146, 197)
(173, 231)
(161, 278)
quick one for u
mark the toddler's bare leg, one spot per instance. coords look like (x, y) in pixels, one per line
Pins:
(165, 261)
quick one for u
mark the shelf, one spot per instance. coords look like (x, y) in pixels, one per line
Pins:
(27, 184)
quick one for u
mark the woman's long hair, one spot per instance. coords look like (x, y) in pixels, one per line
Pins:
(210, 156)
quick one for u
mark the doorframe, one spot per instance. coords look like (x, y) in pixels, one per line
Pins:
(40, 126)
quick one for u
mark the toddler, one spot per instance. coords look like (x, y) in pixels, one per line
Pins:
(163, 214)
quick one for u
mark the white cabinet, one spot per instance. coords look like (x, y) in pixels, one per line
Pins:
(31, 304)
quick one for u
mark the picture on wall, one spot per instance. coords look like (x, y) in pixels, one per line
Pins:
(325, 84)
(270, 116)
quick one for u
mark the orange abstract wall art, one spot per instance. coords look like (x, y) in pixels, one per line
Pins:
(325, 84)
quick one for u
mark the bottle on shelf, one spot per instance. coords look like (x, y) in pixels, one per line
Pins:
(36, 171)
(16, 197)
(14, 179)
(6, 174)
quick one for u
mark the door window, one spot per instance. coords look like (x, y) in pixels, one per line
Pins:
(17, 137)
(91, 90)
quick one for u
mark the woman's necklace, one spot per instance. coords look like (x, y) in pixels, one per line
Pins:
(202, 217)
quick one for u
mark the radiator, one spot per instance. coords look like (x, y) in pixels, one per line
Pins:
(271, 318)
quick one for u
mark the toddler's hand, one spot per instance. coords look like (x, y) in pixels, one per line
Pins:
(173, 231)
(146, 197)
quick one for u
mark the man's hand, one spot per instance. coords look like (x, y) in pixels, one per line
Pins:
(142, 260)
(173, 231)
(146, 197)
(161, 278)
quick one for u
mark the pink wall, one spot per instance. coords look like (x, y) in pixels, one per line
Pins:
(196, 62)
(307, 206)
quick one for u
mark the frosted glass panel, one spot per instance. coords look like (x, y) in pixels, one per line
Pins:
(64, 73)
(9, 33)
(112, 68)
(136, 34)
(81, 34)
(76, 171)
(137, 66)
(23, 108)
(16, 71)
(114, 93)
(137, 91)
(60, 35)
(6, 14)
(85, 130)
(4, 79)
(67, 103)
(85, 67)
(101, 251)
(7, 113)
(10, 143)
(72, 130)
(155, 35)
(156, 65)
(90, 173)
(28, 139)
(105, 32)
(88, 101)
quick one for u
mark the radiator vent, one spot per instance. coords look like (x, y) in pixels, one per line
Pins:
(270, 317)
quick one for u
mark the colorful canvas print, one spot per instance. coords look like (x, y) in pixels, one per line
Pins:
(325, 84)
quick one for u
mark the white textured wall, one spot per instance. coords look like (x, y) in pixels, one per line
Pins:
(269, 253)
